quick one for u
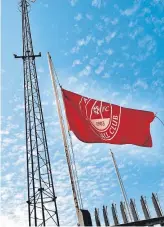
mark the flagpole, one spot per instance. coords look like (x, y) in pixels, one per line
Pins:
(121, 186)
(63, 133)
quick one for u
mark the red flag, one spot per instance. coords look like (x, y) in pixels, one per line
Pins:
(94, 121)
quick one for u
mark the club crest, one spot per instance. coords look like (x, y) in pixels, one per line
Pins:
(104, 118)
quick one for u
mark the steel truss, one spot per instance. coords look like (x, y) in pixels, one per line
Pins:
(42, 207)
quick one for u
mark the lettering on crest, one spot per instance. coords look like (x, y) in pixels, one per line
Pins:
(104, 119)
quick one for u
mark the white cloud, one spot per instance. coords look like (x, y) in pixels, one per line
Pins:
(99, 27)
(114, 94)
(136, 32)
(19, 107)
(86, 71)
(4, 132)
(89, 17)
(157, 23)
(147, 43)
(75, 49)
(127, 100)
(8, 177)
(7, 221)
(117, 64)
(96, 3)
(40, 69)
(73, 2)
(108, 20)
(147, 46)
(130, 11)
(109, 51)
(72, 80)
(99, 69)
(110, 36)
(94, 168)
(76, 62)
(105, 76)
(44, 103)
(141, 83)
(9, 118)
(8, 141)
(159, 3)
(114, 21)
(84, 42)
(94, 61)
(157, 70)
(78, 17)
(20, 160)
(105, 19)
(100, 42)
(132, 23)
(125, 177)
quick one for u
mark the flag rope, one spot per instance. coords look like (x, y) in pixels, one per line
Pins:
(70, 158)
(73, 162)
(73, 167)
(160, 120)
(76, 175)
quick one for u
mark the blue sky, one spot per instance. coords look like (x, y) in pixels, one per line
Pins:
(104, 49)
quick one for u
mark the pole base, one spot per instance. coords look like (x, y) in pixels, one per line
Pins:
(84, 218)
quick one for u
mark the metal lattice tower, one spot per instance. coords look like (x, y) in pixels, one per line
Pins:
(42, 208)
